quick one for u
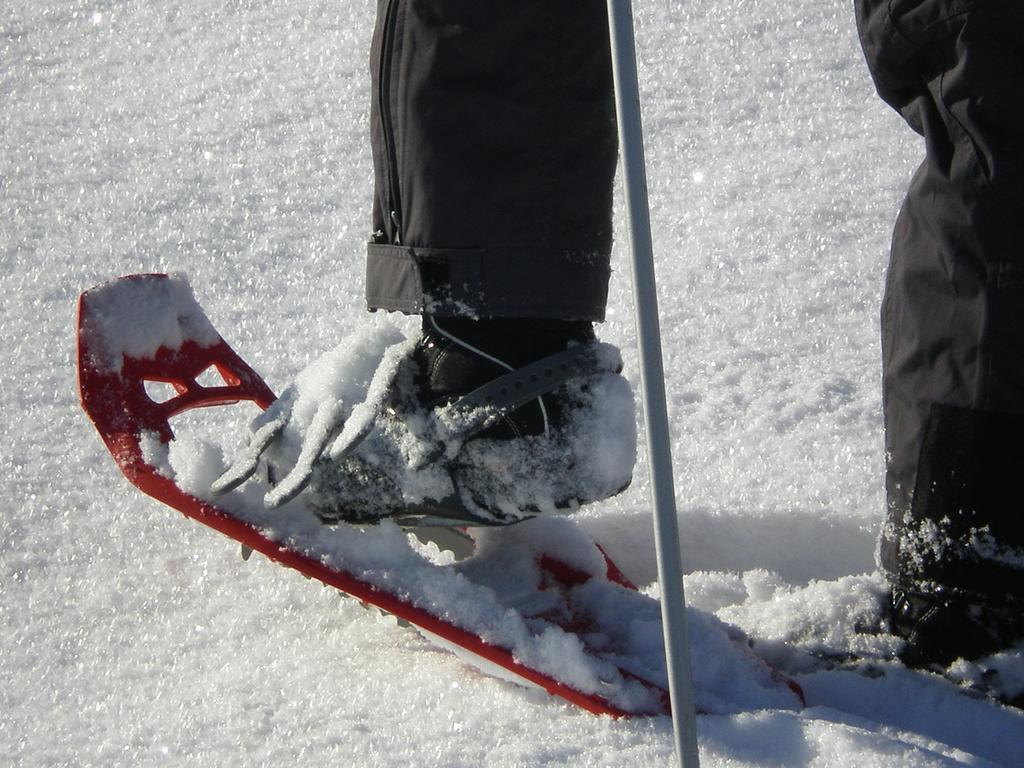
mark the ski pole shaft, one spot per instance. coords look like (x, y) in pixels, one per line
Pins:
(652, 377)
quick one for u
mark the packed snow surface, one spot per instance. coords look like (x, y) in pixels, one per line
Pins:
(228, 140)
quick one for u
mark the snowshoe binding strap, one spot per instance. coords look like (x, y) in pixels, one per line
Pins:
(484, 406)
(246, 463)
(342, 438)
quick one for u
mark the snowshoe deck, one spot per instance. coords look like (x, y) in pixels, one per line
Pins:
(560, 618)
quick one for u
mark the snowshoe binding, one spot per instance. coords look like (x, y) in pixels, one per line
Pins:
(446, 432)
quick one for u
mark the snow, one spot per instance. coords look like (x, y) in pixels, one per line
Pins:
(334, 394)
(135, 320)
(228, 141)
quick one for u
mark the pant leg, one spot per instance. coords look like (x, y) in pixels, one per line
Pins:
(494, 149)
(953, 311)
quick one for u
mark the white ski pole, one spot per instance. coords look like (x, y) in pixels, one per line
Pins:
(652, 378)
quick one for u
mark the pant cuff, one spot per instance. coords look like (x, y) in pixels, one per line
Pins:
(488, 282)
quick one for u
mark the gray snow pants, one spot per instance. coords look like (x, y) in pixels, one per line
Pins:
(953, 312)
(494, 147)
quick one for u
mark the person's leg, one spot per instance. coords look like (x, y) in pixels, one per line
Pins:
(494, 147)
(953, 324)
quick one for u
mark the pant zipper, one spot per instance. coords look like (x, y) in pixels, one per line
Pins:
(384, 101)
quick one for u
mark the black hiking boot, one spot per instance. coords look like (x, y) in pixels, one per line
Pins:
(494, 421)
(940, 628)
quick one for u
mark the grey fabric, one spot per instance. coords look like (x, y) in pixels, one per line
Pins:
(488, 282)
(494, 145)
(953, 311)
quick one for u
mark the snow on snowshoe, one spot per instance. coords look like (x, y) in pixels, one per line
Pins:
(537, 602)
(355, 428)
